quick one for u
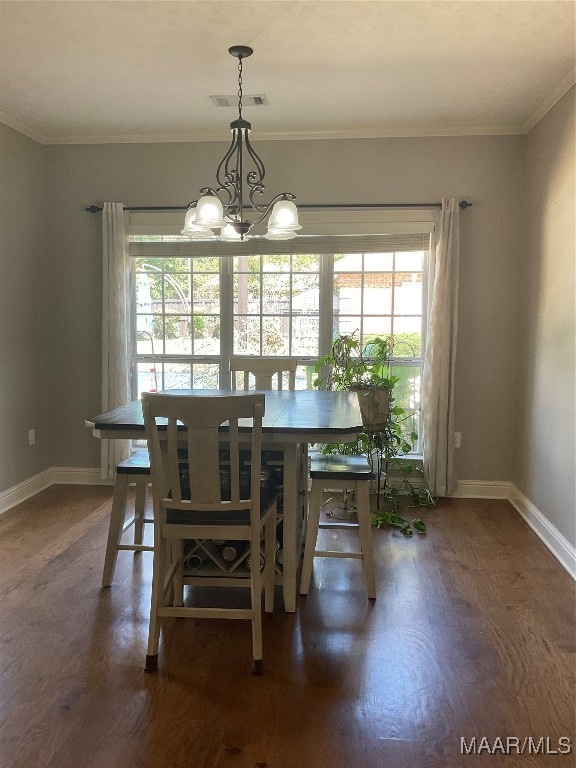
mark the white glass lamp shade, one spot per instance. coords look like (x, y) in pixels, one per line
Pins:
(192, 229)
(209, 212)
(229, 235)
(280, 234)
(284, 217)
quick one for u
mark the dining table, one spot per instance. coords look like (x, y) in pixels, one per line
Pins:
(293, 420)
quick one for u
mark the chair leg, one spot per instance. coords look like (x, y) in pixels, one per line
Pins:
(177, 556)
(158, 573)
(141, 493)
(365, 531)
(117, 515)
(270, 562)
(311, 535)
(256, 606)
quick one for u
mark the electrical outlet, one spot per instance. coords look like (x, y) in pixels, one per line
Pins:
(457, 439)
(31, 437)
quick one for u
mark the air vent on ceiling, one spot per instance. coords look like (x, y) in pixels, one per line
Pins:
(248, 101)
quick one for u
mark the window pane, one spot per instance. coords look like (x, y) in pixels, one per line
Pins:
(412, 261)
(376, 327)
(345, 325)
(206, 264)
(377, 295)
(206, 338)
(408, 293)
(275, 339)
(276, 263)
(149, 335)
(247, 335)
(206, 294)
(153, 377)
(177, 376)
(178, 335)
(407, 390)
(149, 378)
(305, 376)
(175, 300)
(150, 290)
(404, 325)
(306, 283)
(176, 264)
(246, 294)
(305, 335)
(304, 262)
(377, 262)
(276, 294)
(205, 376)
(348, 262)
(407, 344)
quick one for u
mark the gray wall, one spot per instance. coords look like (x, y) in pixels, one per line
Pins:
(26, 368)
(491, 171)
(487, 170)
(545, 465)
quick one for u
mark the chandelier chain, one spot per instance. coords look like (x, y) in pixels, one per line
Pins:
(240, 87)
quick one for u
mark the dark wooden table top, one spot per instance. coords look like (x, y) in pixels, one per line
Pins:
(288, 413)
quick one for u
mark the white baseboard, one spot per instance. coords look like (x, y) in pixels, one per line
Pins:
(30, 487)
(558, 544)
(78, 476)
(53, 476)
(560, 547)
(482, 489)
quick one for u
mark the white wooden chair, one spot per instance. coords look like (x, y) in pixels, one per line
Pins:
(133, 471)
(262, 370)
(206, 488)
(341, 473)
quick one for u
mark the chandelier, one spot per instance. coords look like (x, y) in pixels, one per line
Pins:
(233, 207)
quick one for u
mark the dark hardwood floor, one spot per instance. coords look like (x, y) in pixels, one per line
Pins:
(472, 635)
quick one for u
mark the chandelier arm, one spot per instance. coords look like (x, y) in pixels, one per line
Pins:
(265, 209)
(252, 178)
(255, 178)
(226, 178)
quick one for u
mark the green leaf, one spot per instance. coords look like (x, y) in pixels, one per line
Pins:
(419, 525)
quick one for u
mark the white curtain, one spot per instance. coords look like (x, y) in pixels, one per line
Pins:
(438, 373)
(115, 329)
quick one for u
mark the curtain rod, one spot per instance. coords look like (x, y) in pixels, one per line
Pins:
(463, 205)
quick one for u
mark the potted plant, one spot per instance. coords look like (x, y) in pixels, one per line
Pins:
(387, 438)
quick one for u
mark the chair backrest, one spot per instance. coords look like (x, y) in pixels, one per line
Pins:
(195, 457)
(263, 369)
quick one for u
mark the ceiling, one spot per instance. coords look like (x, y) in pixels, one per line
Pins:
(130, 71)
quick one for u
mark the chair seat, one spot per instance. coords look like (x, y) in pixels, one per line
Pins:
(137, 464)
(340, 468)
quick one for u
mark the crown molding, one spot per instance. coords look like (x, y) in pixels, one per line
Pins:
(19, 125)
(378, 133)
(554, 96)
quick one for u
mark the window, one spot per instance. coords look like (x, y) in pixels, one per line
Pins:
(276, 305)
(195, 304)
(176, 329)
